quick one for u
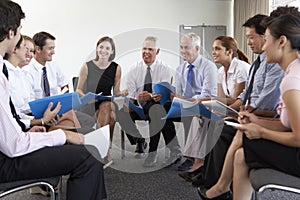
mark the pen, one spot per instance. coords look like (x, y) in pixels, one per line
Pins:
(246, 104)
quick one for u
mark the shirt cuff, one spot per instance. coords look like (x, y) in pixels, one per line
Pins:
(59, 137)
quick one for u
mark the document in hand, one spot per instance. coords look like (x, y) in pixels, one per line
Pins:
(67, 101)
(165, 89)
(220, 108)
(100, 139)
(138, 109)
(184, 108)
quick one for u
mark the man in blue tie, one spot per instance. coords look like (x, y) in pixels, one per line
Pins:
(196, 77)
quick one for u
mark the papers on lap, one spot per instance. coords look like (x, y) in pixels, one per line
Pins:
(220, 108)
(100, 139)
(68, 101)
(184, 108)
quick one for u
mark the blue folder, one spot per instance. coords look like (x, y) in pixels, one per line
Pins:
(68, 102)
(179, 110)
(138, 109)
(165, 89)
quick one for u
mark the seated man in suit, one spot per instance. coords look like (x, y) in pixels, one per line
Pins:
(18, 148)
(140, 81)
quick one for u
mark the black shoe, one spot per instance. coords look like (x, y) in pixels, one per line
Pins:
(186, 165)
(199, 182)
(140, 150)
(151, 159)
(141, 147)
(191, 176)
(224, 196)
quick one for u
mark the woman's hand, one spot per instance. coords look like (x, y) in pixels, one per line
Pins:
(251, 130)
(245, 117)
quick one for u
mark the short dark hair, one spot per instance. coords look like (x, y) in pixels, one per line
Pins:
(10, 17)
(41, 37)
(256, 22)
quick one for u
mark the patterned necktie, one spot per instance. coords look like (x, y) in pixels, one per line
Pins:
(250, 86)
(148, 81)
(189, 82)
(46, 83)
(11, 105)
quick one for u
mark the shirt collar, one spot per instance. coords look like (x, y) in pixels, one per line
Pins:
(232, 65)
(11, 66)
(145, 65)
(37, 65)
(196, 62)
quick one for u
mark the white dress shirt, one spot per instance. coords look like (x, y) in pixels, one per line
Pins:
(13, 141)
(55, 76)
(160, 72)
(237, 73)
(19, 88)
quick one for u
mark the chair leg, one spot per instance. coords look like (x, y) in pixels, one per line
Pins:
(122, 144)
(59, 187)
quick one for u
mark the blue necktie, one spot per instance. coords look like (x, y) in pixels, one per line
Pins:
(189, 83)
(12, 107)
(46, 83)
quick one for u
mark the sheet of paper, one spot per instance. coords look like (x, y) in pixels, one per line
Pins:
(100, 139)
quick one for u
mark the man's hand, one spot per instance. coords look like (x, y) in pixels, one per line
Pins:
(144, 96)
(156, 97)
(74, 138)
(49, 114)
(37, 129)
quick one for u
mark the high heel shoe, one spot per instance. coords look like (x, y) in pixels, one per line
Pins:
(224, 196)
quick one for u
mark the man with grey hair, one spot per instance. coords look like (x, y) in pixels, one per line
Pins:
(195, 78)
(140, 81)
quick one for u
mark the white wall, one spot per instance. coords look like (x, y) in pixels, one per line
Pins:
(77, 25)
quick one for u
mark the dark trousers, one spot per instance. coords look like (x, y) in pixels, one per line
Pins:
(154, 113)
(214, 160)
(86, 179)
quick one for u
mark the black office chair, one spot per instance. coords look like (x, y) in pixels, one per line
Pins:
(16, 186)
(266, 181)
